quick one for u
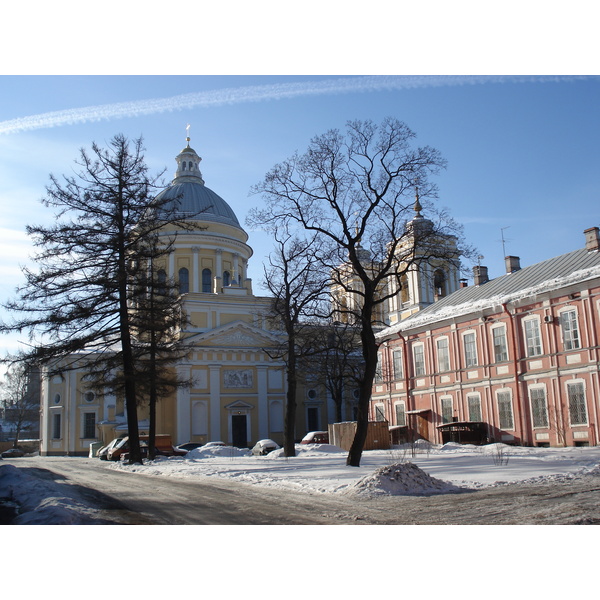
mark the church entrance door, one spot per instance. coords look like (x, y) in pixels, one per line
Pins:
(239, 436)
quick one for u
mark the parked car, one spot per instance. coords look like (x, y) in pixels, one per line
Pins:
(12, 453)
(263, 447)
(163, 446)
(316, 437)
(209, 444)
(103, 452)
(189, 446)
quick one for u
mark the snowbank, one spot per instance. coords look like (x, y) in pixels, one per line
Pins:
(40, 502)
(402, 479)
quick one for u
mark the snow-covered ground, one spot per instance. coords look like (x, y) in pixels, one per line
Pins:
(321, 468)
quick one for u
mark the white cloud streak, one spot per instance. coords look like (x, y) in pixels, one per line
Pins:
(259, 93)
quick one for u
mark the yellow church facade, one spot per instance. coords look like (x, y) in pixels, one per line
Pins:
(237, 392)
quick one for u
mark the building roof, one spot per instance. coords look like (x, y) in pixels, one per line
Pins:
(529, 282)
(190, 198)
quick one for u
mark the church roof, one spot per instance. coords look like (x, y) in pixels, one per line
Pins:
(188, 197)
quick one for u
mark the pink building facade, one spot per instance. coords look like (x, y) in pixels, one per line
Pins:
(518, 355)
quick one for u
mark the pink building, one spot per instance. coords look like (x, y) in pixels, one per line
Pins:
(517, 355)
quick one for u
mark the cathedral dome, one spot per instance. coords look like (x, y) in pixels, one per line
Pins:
(188, 197)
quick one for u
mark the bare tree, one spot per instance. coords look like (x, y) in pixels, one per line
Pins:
(356, 194)
(20, 397)
(81, 297)
(298, 285)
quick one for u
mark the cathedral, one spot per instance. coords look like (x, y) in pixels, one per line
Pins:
(237, 392)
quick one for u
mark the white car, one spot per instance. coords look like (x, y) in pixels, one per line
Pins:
(263, 447)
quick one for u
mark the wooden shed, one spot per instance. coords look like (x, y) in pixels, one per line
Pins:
(378, 435)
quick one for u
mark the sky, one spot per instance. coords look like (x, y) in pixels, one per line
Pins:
(522, 151)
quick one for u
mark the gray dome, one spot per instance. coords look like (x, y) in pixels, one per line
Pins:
(194, 201)
(188, 198)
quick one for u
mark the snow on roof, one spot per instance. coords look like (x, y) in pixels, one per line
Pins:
(549, 275)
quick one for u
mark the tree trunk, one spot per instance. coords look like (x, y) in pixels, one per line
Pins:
(289, 445)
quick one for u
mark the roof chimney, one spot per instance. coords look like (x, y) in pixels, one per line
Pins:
(463, 283)
(592, 238)
(513, 263)
(480, 275)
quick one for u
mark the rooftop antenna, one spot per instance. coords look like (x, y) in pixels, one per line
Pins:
(503, 240)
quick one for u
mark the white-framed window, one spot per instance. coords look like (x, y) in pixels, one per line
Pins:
(184, 280)
(443, 355)
(533, 339)
(446, 409)
(89, 425)
(470, 347)
(539, 407)
(56, 426)
(500, 345)
(400, 408)
(56, 398)
(379, 370)
(398, 366)
(474, 407)
(570, 329)
(419, 357)
(577, 405)
(505, 410)
(380, 412)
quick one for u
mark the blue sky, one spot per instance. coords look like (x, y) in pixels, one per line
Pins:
(523, 153)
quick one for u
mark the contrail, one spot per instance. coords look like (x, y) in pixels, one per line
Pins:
(257, 93)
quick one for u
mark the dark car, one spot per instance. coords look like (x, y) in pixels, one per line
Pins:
(316, 437)
(189, 446)
(12, 453)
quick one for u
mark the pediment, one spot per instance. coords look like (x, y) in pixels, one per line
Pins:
(235, 335)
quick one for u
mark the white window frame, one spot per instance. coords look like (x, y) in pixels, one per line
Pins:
(380, 411)
(509, 404)
(398, 364)
(443, 354)
(534, 391)
(403, 412)
(477, 398)
(569, 329)
(533, 339)
(470, 349)
(83, 414)
(420, 368)
(445, 415)
(504, 345)
(571, 384)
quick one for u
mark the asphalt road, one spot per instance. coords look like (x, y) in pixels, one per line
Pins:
(131, 498)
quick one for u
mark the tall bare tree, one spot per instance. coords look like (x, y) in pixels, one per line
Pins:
(80, 298)
(356, 194)
(298, 286)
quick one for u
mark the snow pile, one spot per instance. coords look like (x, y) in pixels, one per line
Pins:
(216, 451)
(305, 450)
(402, 479)
(40, 502)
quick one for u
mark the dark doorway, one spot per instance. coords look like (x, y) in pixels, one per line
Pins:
(313, 418)
(238, 431)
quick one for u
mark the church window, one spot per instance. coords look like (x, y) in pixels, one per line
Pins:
(89, 425)
(56, 428)
(183, 166)
(206, 281)
(184, 281)
(226, 278)
(57, 399)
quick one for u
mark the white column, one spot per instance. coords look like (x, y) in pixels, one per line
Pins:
(236, 270)
(71, 413)
(218, 275)
(263, 404)
(215, 402)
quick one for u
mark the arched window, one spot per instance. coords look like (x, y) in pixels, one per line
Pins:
(184, 281)
(439, 283)
(183, 166)
(226, 278)
(206, 281)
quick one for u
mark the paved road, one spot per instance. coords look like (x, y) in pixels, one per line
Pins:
(131, 498)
